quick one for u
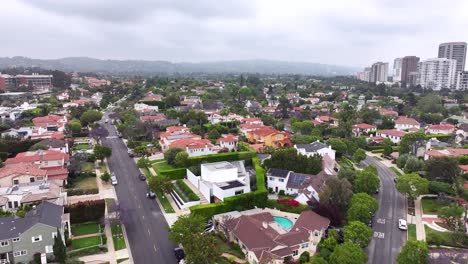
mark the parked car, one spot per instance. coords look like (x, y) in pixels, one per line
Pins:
(113, 180)
(402, 224)
(131, 154)
(151, 195)
(179, 254)
(142, 177)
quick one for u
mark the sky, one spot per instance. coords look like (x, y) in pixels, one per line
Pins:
(340, 32)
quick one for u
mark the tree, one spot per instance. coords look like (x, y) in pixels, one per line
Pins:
(362, 207)
(336, 191)
(289, 159)
(327, 246)
(213, 134)
(171, 154)
(181, 159)
(413, 252)
(409, 139)
(440, 187)
(442, 169)
(387, 147)
(105, 177)
(318, 260)
(59, 249)
(348, 174)
(38, 146)
(359, 155)
(413, 185)
(451, 214)
(102, 152)
(90, 116)
(185, 227)
(366, 181)
(143, 163)
(338, 145)
(202, 248)
(413, 164)
(160, 184)
(98, 133)
(284, 106)
(74, 126)
(348, 253)
(387, 123)
(358, 233)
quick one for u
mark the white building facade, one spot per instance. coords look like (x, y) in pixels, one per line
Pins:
(437, 73)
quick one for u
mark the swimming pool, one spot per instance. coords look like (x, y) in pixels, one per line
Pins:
(284, 222)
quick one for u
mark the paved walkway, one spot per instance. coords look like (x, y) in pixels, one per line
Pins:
(84, 236)
(420, 232)
(236, 259)
(197, 192)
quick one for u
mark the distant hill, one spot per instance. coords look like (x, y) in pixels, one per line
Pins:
(84, 64)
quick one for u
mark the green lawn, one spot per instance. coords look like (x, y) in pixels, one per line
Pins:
(430, 205)
(411, 232)
(396, 171)
(85, 229)
(438, 238)
(230, 248)
(86, 183)
(162, 166)
(87, 167)
(146, 172)
(86, 242)
(118, 237)
(165, 203)
(122, 260)
(81, 147)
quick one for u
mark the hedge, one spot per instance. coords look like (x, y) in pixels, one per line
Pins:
(89, 211)
(260, 174)
(228, 156)
(191, 195)
(463, 160)
(441, 137)
(285, 207)
(377, 151)
(174, 174)
(77, 191)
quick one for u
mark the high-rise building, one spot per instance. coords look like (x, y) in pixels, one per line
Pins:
(364, 75)
(437, 73)
(462, 80)
(397, 70)
(455, 51)
(379, 72)
(408, 64)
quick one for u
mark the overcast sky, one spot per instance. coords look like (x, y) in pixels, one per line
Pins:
(343, 32)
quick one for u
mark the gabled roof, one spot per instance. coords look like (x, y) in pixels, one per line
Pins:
(393, 132)
(52, 143)
(22, 169)
(277, 173)
(191, 143)
(311, 221)
(404, 120)
(39, 155)
(442, 127)
(312, 147)
(364, 126)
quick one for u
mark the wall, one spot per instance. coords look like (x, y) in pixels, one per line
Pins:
(26, 243)
(205, 189)
(221, 194)
(275, 182)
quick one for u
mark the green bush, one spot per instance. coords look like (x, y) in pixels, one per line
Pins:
(286, 207)
(87, 251)
(441, 137)
(208, 210)
(89, 211)
(191, 195)
(77, 191)
(377, 151)
(174, 174)
(463, 160)
(260, 174)
(228, 156)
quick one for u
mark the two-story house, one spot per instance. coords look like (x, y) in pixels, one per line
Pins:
(446, 129)
(363, 128)
(315, 148)
(327, 120)
(394, 135)
(269, 137)
(228, 141)
(51, 122)
(406, 123)
(21, 238)
(195, 147)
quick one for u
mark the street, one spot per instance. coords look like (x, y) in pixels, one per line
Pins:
(147, 229)
(388, 239)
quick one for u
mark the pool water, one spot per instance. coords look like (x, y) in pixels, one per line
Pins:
(284, 222)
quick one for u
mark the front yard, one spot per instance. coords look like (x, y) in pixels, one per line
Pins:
(86, 242)
(161, 165)
(81, 147)
(411, 232)
(165, 203)
(430, 205)
(85, 183)
(118, 237)
(85, 229)
(438, 238)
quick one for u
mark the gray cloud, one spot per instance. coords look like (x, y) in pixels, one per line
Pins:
(333, 31)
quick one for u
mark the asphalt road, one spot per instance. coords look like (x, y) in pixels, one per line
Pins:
(146, 227)
(388, 239)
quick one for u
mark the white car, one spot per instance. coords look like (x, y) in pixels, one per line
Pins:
(402, 224)
(114, 180)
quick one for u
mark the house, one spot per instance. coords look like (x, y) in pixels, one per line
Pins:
(269, 137)
(269, 236)
(141, 107)
(95, 82)
(64, 96)
(253, 121)
(314, 148)
(446, 129)
(191, 100)
(27, 183)
(219, 180)
(363, 128)
(253, 107)
(174, 133)
(54, 162)
(55, 144)
(21, 238)
(388, 113)
(394, 135)
(228, 141)
(195, 147)
(51, 122)
(244, 129)
(406, 123)
(448, 152)
(305, 187)
(327, 119)
(151, 97)
(152, 118)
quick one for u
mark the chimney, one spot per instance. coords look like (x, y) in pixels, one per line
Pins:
(265, 225)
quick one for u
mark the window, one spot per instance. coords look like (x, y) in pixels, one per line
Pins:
(281, 180)
(36, 238)
(16, 239)
(15, 181)
(49, 249)
(239, 192)
(295, 252)
(305, 245)
(4, 243)
(40, 178)
(32, 179)
(20, 253)
(272, 179)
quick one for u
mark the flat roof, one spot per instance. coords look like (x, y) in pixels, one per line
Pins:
(222, 165)
(230, 185)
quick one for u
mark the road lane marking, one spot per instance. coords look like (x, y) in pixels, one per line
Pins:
(154, 247)
(149, 233)
(381, 221)
(379, 235)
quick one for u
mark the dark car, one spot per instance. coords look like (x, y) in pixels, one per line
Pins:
(142, 177)
(151, 195)
(179, 254)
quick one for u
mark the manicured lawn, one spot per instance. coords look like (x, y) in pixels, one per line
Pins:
(434, 237)
(430, 205)
(85, 229)
(412, 232)
(230, 248)
(81, 146)
(86, 183)
(87, 167)
(118, 237)
(165, 203)
(122, 260)
(86, 242)
(162, 166)
(396, 171)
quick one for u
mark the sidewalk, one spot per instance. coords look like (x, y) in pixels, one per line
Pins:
(420, 232)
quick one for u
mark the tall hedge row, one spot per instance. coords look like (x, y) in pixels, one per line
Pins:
(228, 156)
(86, 211)
(173, 174)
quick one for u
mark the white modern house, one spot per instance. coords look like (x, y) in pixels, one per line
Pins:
(219, 180)
(316, 147)
(145, 107)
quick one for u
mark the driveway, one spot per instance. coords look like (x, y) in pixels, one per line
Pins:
(147, 229)
(388, 239)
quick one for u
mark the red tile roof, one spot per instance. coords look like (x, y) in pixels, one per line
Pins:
(49, 120)
(32, 156)
(327, 118)
(364, 126)
(393, 132)
(442, 127)
(191, 143)
(310, 221)
(152, 118)
(450, 152)
(404, 120)
(388, 112)
(22, 169)
(227, 138)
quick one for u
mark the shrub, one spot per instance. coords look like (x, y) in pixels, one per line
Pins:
(229, 156)
(286, 207)
(174, 174)
(105, 177)
(191, 195)
(305, 257)
(438, 187)
(78, 192)
(281, 192)
(86, 211)
(378, 150)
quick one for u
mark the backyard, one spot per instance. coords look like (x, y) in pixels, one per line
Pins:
(81, 147)
(87, 167)
(85, 183)
(161, 165)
